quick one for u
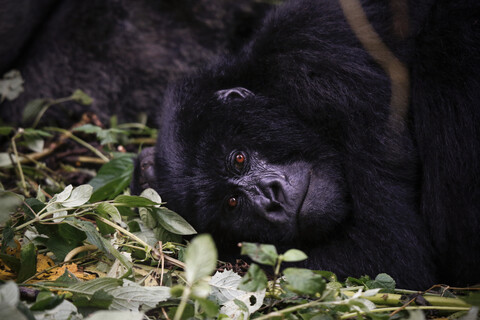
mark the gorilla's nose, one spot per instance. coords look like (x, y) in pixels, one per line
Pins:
(271, 202)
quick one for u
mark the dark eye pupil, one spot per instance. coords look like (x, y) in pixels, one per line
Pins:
(232, 202)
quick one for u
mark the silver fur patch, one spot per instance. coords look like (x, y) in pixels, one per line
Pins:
(238, 92)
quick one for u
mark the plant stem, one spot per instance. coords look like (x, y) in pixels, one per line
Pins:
(394, 299)
(46, 106)
(137, 239)
(444, 308)
(69, 134)
(183, 303)
(289, 310)
(17, 162)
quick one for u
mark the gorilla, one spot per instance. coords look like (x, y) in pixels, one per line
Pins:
(306, 138)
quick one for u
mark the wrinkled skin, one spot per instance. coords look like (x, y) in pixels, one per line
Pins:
(289, 143)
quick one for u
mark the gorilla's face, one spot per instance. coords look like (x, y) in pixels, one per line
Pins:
(229, 162)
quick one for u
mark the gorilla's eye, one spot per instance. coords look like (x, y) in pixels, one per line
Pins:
(239, 158)
(232, 202)
(238, 161)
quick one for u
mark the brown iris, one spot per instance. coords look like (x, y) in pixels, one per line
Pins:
(232, 202)
(239, 158)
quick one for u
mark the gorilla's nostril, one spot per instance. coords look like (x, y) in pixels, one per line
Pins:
(273, 207)
(273, 189)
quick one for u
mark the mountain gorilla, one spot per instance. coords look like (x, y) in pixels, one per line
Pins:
(297, 141)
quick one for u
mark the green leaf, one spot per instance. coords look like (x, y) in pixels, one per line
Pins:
(224, 286)
(209, 307)
(200, 258)
(9, 294)
(12, 262)
(8, 238)
(11, 86)
(126, 294)
(116, 315)
(224, 292)
(260, 253)
(64, 311)
(80, 195)
(36, 133)
(35, 144)
(112, 178)
(172, 221)
(95, 238)
(416, 315)
(10, 302)
(81, 97)
(10, 202)
(32, 204)
(151, 194)
(106, 208)
(134, 201)
(165, 236)
(177, 291)
(28, 260)
(200, 290)
(32, 109)
(6, 159)
(5, 131)
(57, 212)
(62, 238)
(472, 298)
(255, 279)
(46, 300)
(294, 255)
(104, 228)
(88, 128)
(241, 305)
(92, 286)
(62, 196)
(100, 299)
(382, 281)
(304, 281)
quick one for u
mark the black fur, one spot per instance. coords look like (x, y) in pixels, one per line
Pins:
(370, 197)
(122, 53)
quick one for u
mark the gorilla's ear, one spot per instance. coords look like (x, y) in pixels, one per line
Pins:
(238, 92)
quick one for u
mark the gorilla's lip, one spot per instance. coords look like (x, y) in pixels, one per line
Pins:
(305, 193)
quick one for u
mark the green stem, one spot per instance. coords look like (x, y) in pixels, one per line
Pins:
(183, 303)
(148, 248)
(126, 232)
(17, 162)
(444, 308)
(41, 215)
(80, 141)
(131, 126)
(395, 299)
(279, 313)
(47, 106)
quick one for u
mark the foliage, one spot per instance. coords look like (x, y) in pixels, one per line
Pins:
(72, 251)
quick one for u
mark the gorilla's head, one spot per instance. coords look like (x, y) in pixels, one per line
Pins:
(245, 167)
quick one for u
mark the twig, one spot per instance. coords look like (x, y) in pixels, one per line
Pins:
(77, 250)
